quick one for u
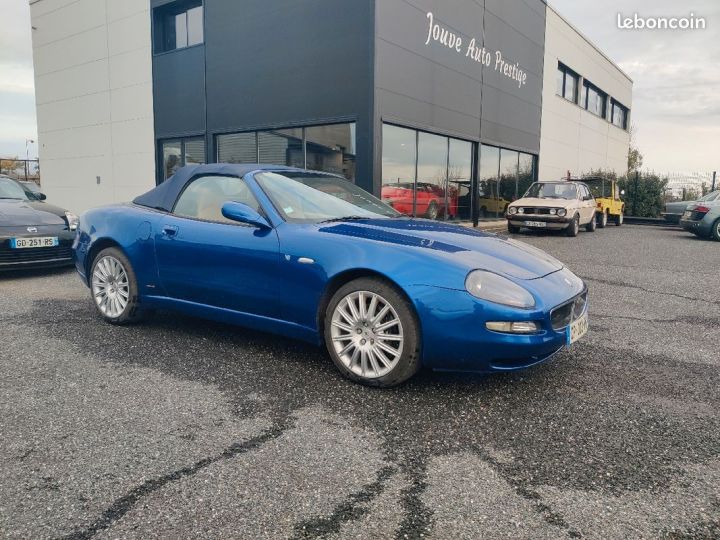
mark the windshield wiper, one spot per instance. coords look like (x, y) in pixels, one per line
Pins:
(13, 198)
(345, 218)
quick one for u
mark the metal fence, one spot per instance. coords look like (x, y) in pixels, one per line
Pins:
(688, 186)
(21, 169)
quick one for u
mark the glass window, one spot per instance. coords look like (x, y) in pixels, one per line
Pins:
(595, 100)
(172, 157)
(281, 147)
(399, 167)
(488, 181)
(195, 34)
(205, 197)
(177, 25)
(430, 200)
(331, 149)
(459, 179)
(619, 115)
(526, 172)
(237, 148)
(566, 83)
(508, 178)
(194, 151)
(181, 152)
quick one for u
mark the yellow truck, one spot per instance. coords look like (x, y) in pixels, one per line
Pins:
(607, 196)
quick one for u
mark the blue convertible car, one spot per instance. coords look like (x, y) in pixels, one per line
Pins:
(311, 256)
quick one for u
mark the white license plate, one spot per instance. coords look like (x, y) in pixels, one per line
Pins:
(577, 329)
(535, 224)
(39, 242)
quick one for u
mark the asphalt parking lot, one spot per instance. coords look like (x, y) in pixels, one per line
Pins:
(184, 428)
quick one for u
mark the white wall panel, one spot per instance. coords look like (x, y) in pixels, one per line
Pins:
(93, 85)
(571, 138)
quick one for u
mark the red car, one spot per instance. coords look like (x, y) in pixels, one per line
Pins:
(430, 201)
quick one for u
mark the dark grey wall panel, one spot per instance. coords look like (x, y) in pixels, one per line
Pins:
(179, 92)
(442, 89)
(285, 62)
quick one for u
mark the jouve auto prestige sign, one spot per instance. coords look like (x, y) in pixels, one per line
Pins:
(441, 35)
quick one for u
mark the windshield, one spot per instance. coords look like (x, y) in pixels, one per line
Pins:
(599, 188)
(552, 190)
(312, 198)
(10, 189)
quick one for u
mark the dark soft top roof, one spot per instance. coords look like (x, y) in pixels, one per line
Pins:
(163, 197)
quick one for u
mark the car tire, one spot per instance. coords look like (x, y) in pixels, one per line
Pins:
(715, 234)
(620, 218)
(432, 212)
(353, 333)
(602, 220)
(513, 229)
(592, 225)
(573, 228)
(114, 287)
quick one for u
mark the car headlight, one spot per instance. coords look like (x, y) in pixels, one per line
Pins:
(497, 289)
(553, 211)
(521, 210)
(73, 221)
(512, 210)
(561, 212)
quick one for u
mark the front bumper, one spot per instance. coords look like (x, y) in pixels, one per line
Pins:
(47, 257)
(553, 223)
(455, 337)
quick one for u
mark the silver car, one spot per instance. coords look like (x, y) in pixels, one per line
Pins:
(674, 210)
(703, 219)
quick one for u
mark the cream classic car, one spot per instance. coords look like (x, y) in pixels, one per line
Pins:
(554, 206)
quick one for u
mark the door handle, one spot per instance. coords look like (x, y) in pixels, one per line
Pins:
(170, 231)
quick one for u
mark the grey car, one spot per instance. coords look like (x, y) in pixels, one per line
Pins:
(703, 219)
(674, 210)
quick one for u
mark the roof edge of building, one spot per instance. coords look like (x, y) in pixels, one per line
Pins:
(588, 41)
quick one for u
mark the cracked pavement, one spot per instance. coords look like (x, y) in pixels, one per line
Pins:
(179, 427)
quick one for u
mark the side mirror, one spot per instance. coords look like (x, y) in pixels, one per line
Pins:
(242, 213)
(41, 196)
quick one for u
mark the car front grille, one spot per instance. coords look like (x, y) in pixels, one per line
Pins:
(30, 255)
(536, 211)
(563, 315)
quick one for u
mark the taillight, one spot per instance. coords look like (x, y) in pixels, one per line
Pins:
(702, 209)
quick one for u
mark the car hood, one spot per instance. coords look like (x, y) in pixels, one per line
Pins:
(470, 247)
(15, 213)
(549, 203)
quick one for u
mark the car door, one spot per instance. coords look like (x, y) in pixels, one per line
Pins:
(205, 258)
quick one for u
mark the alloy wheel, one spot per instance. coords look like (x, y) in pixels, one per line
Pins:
(110, 286)
(367, 334)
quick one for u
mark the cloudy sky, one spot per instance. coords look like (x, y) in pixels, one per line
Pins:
(676, 100)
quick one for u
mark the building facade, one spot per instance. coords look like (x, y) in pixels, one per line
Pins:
(447, 112)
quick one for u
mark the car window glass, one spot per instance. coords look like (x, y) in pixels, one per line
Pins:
(310, 197)
(710, 196)
(205, 197)
(552, 190)
(10, 189)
